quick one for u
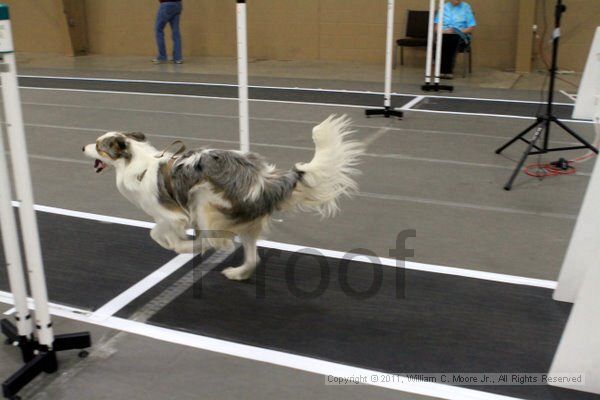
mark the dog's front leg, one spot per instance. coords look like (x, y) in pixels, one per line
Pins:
(160, 234)
(251, 260)
(171, 236)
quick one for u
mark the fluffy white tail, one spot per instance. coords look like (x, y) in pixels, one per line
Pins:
(329, 174)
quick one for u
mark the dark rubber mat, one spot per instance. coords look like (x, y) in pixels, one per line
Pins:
(414, 322)
(520, 109)
(88, 263)
(291, 95)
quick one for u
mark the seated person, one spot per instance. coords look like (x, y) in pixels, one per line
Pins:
(459, 23)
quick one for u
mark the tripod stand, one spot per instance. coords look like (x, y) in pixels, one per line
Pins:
(543, 122)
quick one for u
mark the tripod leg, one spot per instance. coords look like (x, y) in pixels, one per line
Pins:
(575, 135)
(532, 143)
(519, 136)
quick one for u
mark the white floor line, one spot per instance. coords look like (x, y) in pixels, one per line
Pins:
(10, 311)
(577, 121)
(90, 216)
(469, 206)
(282, 102)
(117, 303)
(280, 88)
(7, 298)
(274, 357)
(283, 146)
(390, 262)
(412, 103)
(196, 97)
(296, 121)
(468, 273)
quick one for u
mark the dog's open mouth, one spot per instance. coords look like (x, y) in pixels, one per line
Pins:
(100, 166)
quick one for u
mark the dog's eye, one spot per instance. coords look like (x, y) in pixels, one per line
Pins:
(121, 143)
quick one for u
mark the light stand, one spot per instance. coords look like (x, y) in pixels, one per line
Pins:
(543, 122)
(387, 110)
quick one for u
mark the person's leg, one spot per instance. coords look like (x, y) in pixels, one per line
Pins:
(174, 21)
(449, 50)
(159, 31)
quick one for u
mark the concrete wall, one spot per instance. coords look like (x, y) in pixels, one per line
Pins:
(578, 26)
(39, 25)
(343, 30)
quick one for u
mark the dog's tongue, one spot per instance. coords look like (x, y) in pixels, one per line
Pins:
(99, 166)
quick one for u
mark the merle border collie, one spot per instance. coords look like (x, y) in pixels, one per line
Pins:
(225, 193)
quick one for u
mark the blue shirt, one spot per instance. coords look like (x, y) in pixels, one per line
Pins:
(459, 17)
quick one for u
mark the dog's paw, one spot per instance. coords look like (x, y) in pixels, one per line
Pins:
(237, 274)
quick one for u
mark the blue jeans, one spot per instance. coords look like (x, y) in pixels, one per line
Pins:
(168, 13)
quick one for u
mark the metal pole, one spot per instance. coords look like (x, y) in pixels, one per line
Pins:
(438, 48)
(20, 162)
(430, 42)
(389, 54)
(242, 58)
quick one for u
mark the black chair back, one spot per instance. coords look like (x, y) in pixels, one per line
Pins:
(417, 23)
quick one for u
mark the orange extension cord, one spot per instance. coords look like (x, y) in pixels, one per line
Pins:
(541, 170)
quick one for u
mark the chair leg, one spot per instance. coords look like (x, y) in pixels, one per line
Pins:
(465, 64)
(470, 61)
(395, 57)
(401, 55)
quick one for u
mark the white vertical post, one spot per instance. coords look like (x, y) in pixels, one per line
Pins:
(579, 348)
(389, 51)
(584, 250)
(430, 42)
(12, 252)
(242, 58)
(20, 162)
(438, 48)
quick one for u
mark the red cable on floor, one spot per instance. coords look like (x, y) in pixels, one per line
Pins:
(544, 170)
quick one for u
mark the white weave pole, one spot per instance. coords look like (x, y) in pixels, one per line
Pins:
(430, 42)
(389, 45)
(12, 252)
(242, 59)
(22, 175)
(438, 48)
(388, 111)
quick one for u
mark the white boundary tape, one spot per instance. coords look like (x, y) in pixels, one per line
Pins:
(281, 88)
(112, 307)
(468, 273)
(274, 357)
(103, 317)
(292, 102)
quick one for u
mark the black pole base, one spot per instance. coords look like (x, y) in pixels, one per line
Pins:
(26, 344)
(385, 111)
(436, 87)
(39, 358)
(542, 126)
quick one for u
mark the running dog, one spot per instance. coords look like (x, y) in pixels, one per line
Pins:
(226, 193)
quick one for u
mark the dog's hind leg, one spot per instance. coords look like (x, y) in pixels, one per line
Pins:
(251, 260)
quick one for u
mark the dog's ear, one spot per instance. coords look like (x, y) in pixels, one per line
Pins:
(139, 136)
